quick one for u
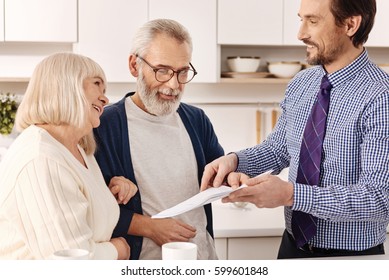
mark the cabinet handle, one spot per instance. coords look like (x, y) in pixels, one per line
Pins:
(258, 123)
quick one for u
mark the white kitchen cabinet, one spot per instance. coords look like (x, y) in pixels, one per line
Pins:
(250, 22)
(199, 17)
(248, 232)
(221, 248)
(1, 20)
(40, 20)
(247, 248)
(257, 22)
(106, 32)
(18, 60)
(291, 23)
(106, 29)
(253, 248)
(378, 36)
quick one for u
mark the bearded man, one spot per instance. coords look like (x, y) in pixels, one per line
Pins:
(160, 144)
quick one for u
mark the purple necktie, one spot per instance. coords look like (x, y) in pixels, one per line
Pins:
(304, 225)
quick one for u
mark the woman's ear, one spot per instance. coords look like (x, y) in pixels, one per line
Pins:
(352, 25)
(133, 65)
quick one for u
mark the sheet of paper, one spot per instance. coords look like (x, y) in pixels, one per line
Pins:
(200, 199)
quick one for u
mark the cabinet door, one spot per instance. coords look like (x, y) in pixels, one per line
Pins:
(221, 248)
(378, 36)
(254, 248)
(1, 20)
(106, 29)
(40, 20)
(250, 22)
(199, 17)
(291, 23)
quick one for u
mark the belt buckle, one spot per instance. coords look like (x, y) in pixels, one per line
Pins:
(307, 248)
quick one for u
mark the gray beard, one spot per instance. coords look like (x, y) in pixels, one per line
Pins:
(153, 104)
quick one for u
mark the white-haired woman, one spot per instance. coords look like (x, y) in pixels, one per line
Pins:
(52, 193)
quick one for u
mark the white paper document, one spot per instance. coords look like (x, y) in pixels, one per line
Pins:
(200, 199)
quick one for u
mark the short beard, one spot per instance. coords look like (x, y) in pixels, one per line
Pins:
(319, 59)
(323, 58)
(155, 105)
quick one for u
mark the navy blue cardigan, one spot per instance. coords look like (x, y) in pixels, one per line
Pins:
(114, 157)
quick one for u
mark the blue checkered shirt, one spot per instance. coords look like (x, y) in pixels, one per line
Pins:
(351, 200)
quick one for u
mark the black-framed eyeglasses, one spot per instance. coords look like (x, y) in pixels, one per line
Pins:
(164, 74)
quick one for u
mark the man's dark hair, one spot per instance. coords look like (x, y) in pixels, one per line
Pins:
(343, 9)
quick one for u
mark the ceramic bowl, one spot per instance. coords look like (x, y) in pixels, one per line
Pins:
(284, 69)
(243, 63)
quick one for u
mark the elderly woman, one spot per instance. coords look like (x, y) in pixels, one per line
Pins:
(52, 193)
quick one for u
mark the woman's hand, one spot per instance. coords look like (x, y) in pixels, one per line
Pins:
(122, 247)
(122, 188)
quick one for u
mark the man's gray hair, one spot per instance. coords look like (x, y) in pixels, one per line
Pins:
(146, 34)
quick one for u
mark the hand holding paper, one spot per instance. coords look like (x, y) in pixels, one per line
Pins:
(200, 199)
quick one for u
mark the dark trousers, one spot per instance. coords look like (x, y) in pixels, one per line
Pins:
(289, 250)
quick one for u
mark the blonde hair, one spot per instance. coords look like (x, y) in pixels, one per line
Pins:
(55, 94)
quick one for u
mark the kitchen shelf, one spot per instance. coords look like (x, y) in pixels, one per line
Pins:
(254, 81)
(14, 80)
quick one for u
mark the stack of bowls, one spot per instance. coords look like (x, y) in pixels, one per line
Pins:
(243, 63)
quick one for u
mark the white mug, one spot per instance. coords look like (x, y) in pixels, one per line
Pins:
(179, 251)
(71, 254)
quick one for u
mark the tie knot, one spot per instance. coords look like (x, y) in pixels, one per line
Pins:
(325, 84)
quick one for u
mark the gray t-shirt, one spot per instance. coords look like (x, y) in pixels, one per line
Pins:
(166, 172)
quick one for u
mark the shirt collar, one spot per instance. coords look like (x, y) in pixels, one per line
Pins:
(348, 72)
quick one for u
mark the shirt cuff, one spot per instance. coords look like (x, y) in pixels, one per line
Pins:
(242, 162)
(302, 198)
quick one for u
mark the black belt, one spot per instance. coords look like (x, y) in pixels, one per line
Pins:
(379, 249)
(289, 250)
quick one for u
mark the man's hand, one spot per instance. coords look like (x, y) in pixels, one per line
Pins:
(161, 231)
(170, 230)
(215, 172)
(266, 191)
